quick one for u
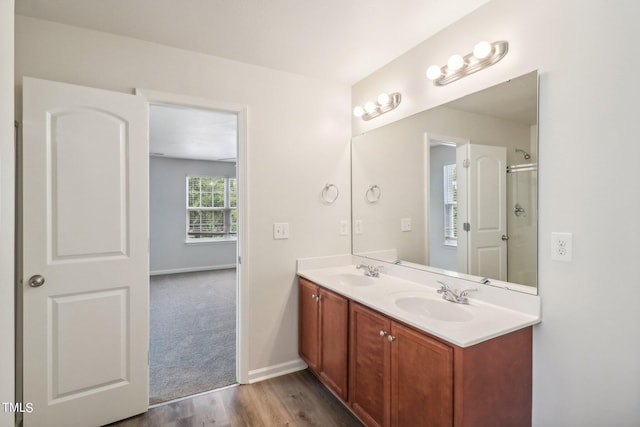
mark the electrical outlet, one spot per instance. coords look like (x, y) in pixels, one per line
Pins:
(344, 227)
(561, 246)
(280, 230)
(405, 224)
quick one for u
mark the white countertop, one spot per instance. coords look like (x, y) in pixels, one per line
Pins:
(487, 315)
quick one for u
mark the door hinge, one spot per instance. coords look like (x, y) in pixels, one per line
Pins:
(466, 226)
(466, 163)
(239, 259)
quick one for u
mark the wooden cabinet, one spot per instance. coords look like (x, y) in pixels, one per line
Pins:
(369, 366)
(398, 376)
(309, 324)
(323, 335)
(421, 379)
(493, 381)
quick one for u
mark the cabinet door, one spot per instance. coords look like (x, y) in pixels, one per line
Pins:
(369, 366)
(308, 325)
(421, 380)
(334, 315)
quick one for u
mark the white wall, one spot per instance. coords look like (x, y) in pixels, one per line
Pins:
(167, 218)
(297, 141)
(393, 158)
(7, 183)
(586, 364)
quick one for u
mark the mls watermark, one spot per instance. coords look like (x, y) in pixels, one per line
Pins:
(17, 407)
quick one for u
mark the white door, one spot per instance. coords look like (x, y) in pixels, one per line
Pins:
(85, 232)
(484, 210)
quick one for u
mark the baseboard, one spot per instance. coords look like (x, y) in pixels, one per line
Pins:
(191, 269)
(262, 374)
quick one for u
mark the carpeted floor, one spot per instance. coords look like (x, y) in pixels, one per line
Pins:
(193, 333)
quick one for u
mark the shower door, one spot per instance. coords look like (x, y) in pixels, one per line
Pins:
(522, 222)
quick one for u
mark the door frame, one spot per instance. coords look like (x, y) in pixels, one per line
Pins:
(8, 361)
(242, 274)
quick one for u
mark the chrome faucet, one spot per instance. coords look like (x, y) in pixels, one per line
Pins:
(370, 270)
(452, 295)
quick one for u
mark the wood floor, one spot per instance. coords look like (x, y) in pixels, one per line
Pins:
(296, 399)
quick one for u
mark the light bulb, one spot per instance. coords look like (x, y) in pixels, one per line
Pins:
(383, 99)
(358, 111)
(433, 72)
(370, 107)
(482, 50)
(455, 63)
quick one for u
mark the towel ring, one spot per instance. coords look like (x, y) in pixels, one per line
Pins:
(330, 193)
(373, 194)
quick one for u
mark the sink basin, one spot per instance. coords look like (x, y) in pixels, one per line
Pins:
(436, 309)
(353, 279)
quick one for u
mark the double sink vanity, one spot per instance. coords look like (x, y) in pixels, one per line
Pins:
(446, 200)
(397, 353)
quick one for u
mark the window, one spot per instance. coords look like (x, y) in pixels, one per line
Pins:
(450, 205)
(212, 208)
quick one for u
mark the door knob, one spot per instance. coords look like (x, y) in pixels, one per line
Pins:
(505, 237)
(36, 281)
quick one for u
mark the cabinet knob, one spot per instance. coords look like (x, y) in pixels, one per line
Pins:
(384, 333)
(315, 297)
(391, 338)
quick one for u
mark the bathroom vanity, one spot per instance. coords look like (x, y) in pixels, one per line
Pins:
(397, 354)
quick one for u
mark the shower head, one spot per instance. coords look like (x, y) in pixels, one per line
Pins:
(526, 155)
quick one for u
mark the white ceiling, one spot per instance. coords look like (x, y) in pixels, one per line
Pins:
(336, 40)
(189, 133)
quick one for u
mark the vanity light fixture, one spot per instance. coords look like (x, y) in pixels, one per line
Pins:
(385, 102)
(484, 55)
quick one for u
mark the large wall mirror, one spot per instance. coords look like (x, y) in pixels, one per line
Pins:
(454, 188)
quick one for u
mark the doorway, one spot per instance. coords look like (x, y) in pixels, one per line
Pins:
(443, 197)
(195, 218)
(443, 205)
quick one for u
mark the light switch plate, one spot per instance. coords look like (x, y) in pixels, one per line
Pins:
(405, 224)
(344, 227)
(280, 230)
(357, 226)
